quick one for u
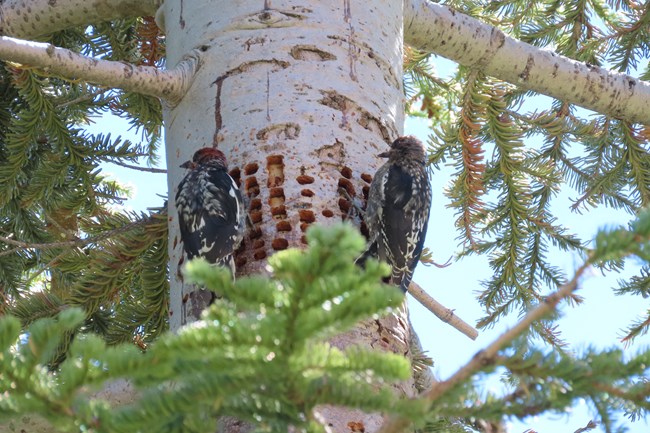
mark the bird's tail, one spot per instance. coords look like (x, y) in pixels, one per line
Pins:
(406, 280)
(228, 262)
(371, 251)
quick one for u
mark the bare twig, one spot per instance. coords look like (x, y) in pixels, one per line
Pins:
(39, 246)
(79, 242)
(137, 167)
(47, 266)
(590, 426)
(441, 312)
(10, 251)
(486, 357)
(83, 98)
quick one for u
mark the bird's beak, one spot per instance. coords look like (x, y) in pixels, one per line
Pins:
(187, 164)
(384, 154)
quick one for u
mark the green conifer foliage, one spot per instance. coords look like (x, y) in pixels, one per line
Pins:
(511, 163)
(64, 241)
(259, 353)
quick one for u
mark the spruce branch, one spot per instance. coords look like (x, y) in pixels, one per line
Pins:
(436, 28)
(639, 395)
(26, 18)
(488, 355)
(465, 140)
(169, 85)
(610, 245)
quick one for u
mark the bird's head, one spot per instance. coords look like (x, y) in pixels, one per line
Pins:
(207, 156)
(405, 148)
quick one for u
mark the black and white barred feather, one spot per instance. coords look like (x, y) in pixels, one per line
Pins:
(211, 211)
(397, 212)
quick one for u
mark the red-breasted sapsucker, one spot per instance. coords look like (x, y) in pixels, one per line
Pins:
(211, 211)
(397, 212)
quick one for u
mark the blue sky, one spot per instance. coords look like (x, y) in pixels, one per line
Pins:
(597, 322)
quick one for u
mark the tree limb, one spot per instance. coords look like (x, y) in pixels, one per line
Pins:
(441, 312)
(169, 85)
(29, 19)
(441, 30)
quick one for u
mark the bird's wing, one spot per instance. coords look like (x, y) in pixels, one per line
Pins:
(214, 229)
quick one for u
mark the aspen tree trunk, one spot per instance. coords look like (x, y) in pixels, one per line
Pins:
(300, 96)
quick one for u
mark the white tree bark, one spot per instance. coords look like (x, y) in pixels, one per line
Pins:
(29, 19)
(170, 85)
(435, 28)
(300, 98)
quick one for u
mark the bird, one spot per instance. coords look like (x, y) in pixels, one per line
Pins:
(397, 211)
(211, 210)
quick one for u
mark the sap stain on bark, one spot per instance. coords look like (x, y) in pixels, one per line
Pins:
(256, 233)
(255, 205)
(305, 179)
(250, 169)
(235, 173)
(256, 217)
(279, 244)
(279, 211)
(344, 206)
(307, 216)
(251, 186)
(275, 172)
(347, 186)
(283, 226)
